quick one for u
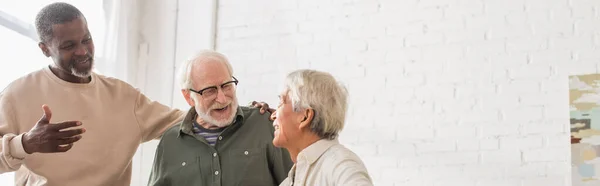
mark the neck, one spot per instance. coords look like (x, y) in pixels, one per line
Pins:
(66, 76)
(206, 125)
(302, 144)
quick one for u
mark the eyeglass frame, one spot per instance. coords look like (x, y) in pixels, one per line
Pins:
(235, 81)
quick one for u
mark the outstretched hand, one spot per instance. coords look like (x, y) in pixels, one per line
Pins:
(46, 137)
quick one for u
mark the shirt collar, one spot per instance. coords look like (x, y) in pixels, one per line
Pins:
(188, 122)
(315, 150)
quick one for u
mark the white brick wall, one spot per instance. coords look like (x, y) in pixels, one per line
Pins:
(442, 92)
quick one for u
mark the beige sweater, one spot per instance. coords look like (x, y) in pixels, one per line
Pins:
(116, 116)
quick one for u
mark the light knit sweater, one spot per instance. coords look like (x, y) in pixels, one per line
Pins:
(116, 116)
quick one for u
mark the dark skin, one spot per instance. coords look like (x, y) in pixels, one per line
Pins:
(72, 49)
(264, 107)
(46, 137)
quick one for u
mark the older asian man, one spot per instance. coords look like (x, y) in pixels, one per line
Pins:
(218, 142)
(310, 115)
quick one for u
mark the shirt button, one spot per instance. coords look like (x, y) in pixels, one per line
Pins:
(215, 154)
(216, 172)
(183, 163)
(220, 137)
(246, 152)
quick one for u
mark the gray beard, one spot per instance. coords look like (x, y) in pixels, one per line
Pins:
(208, 119)
(86, 74)
(81, 74)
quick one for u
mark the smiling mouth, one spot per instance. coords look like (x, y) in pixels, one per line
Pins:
(83, 61)
(222, 109)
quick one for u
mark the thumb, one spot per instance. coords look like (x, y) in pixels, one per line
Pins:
(47, 114)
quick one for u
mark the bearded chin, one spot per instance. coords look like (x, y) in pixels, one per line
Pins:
(222, 123)
(85, 74)
(81, 74)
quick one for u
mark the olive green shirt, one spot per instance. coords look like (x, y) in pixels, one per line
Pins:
(243, 154)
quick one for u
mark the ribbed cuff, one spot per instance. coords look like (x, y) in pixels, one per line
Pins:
(16, 147)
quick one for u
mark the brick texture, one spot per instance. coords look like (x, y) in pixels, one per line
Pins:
(442, 92)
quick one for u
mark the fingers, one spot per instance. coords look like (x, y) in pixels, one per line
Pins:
(70, 133)
(264, 108)
(66, 141)
(63, 148)
(272, 110)
(252, 104)
(66, 124)
(47, 114)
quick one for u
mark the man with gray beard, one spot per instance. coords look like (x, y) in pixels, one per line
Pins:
(96, 123)
(218, 142)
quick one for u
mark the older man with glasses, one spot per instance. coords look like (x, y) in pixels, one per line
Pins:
(218, 142)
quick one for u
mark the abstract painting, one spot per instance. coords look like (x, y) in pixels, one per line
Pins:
(584, 102)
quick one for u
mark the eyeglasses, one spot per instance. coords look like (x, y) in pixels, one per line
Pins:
(212, 91)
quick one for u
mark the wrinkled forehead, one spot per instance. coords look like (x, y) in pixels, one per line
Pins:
(210, 73)
(72, 30)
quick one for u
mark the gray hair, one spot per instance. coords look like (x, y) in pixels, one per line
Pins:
(321, 92)
(185, 71)
(55, 13)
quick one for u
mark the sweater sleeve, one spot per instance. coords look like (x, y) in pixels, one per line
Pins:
(154, 118)
(12, 152)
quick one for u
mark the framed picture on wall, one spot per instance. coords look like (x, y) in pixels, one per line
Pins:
(584, 102)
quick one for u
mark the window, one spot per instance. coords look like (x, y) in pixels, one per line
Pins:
(19, 53)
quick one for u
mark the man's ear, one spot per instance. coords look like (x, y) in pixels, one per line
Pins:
(44, 49)
(188, 97)
(309, 114)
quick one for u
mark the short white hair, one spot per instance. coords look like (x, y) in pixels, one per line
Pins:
(311, 89)
(185, 71)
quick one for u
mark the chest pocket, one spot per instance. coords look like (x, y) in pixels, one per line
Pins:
(252, 166)
(184, 172)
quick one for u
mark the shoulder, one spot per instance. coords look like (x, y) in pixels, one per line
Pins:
(340, 154)
(349, 167)
(117, 88)
(172, 132)
(112, 83)
(250, 111)
(26, 86)
(252, 115)
(25, 82)
(257, 125)
(169, 137)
